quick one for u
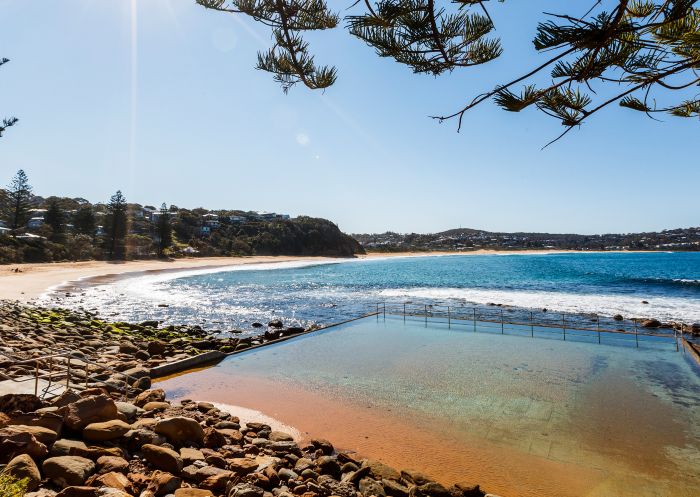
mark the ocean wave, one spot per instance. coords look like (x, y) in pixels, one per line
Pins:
(665, 308)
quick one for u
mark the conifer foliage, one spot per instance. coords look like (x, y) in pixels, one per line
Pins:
(8, 121)
(643, 55)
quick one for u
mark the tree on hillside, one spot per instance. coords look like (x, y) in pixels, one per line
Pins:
(55, 218)
(164, 230)
(8, 121)
(19, 195)
(640, 54)
(84, 221)
(116, 227)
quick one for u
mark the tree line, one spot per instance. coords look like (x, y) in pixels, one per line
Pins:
(36, 229)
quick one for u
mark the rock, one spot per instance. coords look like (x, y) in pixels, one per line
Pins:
(19, 402)
(415, 477)
(469, 490)
(135, 439)
(79, 491)
(129, 411)
(49, 420)
(324, 445)
(245, 490)
(90, 410)
(644, 302)
(14, 443)
(651, 323)
(67, 471)
(179, 429)
(41, 434)
(157, 395)
(394, 488)
(112, 464)
(242, 466)
(434, 489)
(191, 455)
(157, 347)
(381, 471)
(217, 482)
(111, 480)
(156, 406)
(329, 466)
(285, 474)
(276, 323)
(368, 487)
(618, 317)
(107, 430)
(280, 436)
(136, 373)
(163, 483)
(213, 438)
(127, 347)
(193, 492)
(162, 458)
(22, 467)
(334, 487)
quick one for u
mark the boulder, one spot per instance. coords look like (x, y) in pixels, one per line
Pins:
(395, 489)
(651, 323)
(334, 487)
(157, 347)
(163, 483)
(79, 491)
(107, 430)
(329, 466)
(245, 490)
(469, 489)
(67, 471)
(189, 455)
(90, 410)
(50, 420)
(14, 443)
(162, 458)
(193, 492)
(22, 467)
(19, 402)
(368, 487)
(381, 471)
(180, 429)
(112, 464)
(242, 466)
(111, 480)
(324, 445)
(156, 395)
(43, 435)
(130, 411)
(156, 406)
(280, 436)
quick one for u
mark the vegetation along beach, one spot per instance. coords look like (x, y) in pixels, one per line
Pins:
(392, 248)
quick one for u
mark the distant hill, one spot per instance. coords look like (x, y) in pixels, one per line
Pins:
(466, 239)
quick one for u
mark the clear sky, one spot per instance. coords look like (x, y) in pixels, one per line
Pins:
(160, 98)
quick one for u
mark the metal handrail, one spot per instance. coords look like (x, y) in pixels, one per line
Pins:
(66, 355)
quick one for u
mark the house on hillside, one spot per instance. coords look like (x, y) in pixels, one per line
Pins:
(211, 220)
(35, 223)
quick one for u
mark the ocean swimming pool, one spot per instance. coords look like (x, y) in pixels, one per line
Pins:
(520, 415)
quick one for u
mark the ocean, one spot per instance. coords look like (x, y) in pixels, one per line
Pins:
(305, 292)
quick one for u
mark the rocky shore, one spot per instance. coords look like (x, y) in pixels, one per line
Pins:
(135, 350)
(92, 445)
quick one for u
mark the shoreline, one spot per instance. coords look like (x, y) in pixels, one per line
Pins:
(35, 279)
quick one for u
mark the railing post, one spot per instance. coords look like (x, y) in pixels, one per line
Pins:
(377, 311)
(563, 325)
(36, 379)
(474, 319)
(532, 328)
(426, 315)
(87, 373)
(636, 336)
(68, 375)
(404, 312)
(501, 321)
(449, 318)
(597, 324)
(384, 311)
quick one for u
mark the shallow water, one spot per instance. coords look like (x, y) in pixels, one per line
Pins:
(522, 416)
(605, 283)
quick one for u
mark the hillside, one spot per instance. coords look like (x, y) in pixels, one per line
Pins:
(465, 239)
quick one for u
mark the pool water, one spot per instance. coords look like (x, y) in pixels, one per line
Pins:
(521, 416)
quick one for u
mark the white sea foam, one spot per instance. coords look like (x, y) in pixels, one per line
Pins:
(669, 308)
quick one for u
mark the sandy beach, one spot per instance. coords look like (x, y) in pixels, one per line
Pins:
(33, 279)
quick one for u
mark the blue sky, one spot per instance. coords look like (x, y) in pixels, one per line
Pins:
(181, 116)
